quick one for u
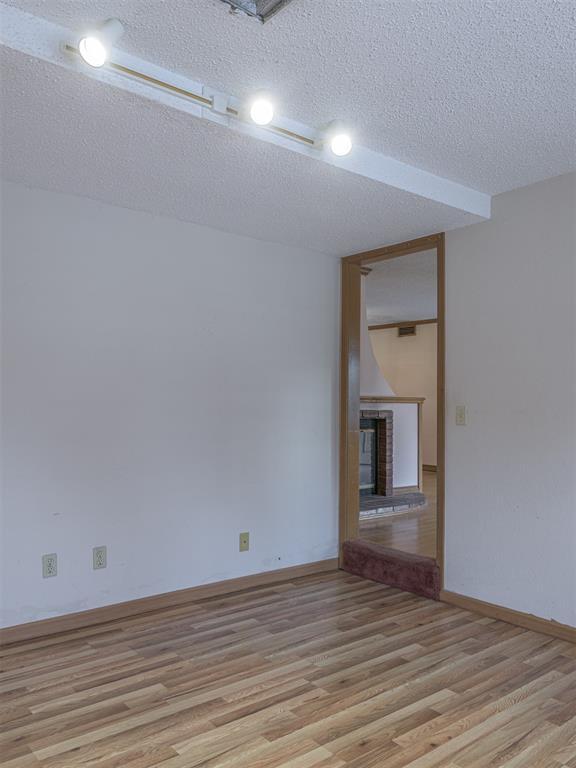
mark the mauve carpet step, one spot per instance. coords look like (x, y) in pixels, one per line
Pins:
(412, 573)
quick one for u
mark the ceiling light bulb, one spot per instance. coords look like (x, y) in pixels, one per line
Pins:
(93, 51)
(335, 137)
(95, 48)
(341, 144)
(261, 110)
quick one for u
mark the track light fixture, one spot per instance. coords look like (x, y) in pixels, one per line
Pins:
(95, 47)
(260, 108)
(337, 137)
(58, 46)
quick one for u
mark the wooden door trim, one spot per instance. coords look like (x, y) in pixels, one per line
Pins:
(441, 404)
(349, 403)
(350, 382)
(386, 326)
(391, 399)
(427, 243)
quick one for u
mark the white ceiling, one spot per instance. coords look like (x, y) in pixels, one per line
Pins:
(478, 92)
(402, 289)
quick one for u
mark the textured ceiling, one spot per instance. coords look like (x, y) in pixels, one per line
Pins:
(402, 289)
(478, 92)
(260, 9)
(66, 132)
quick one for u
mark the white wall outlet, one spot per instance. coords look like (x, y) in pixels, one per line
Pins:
(99, 558)
(49, 565)
(244, 542)
(461, 415)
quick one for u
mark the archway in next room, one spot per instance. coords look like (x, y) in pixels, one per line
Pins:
(392, 415)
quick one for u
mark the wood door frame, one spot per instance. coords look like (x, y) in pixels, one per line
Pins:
(350, 382)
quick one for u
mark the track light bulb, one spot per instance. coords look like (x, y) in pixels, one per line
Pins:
(261, 109)
(95, 48)
(337, 138)
(341, 144)
(92, 51)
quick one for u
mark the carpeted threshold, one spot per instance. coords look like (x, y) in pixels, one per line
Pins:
(411, 573)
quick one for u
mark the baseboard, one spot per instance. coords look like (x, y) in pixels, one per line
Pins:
(429, 467)
(406, 489)
(526, 620)
(71, 621)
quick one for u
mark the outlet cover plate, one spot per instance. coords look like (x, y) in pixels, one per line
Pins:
(99, 558)
(244, 541)
(49, 565)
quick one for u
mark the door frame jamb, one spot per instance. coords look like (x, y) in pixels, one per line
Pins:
(350, 383)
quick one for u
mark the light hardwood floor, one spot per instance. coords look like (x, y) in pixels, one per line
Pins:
(413, 531)
(327, 671)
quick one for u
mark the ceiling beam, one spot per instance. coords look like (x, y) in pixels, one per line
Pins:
(386, 326)
(49, 42)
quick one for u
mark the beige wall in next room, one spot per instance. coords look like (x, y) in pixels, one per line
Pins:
(409, 365)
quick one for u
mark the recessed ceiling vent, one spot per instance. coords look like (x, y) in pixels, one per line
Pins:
(257, 9)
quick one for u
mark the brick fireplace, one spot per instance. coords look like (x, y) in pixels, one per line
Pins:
(376, 452)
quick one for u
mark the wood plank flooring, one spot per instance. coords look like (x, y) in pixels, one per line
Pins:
(413, 531)
(327, 671)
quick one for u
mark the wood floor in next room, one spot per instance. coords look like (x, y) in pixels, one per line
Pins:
(327, 671)
(412, 531)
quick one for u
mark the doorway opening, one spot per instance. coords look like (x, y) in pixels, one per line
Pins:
(392, 409)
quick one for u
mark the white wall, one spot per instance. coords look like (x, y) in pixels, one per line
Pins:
(165, 387)
(511, 349)
(115, 326)
(372, 381)
(409, 364)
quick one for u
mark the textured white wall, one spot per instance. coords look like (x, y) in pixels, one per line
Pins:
(116, 324)
(372, 381)
(165, 386)
(511, 359)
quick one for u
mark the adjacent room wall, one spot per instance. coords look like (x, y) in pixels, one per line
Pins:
(511, 349)
(409, 365)
(165, 387)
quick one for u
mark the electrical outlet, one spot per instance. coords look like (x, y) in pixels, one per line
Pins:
(49, 565)
(244, 542)
(99, 558)
(461, 415)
